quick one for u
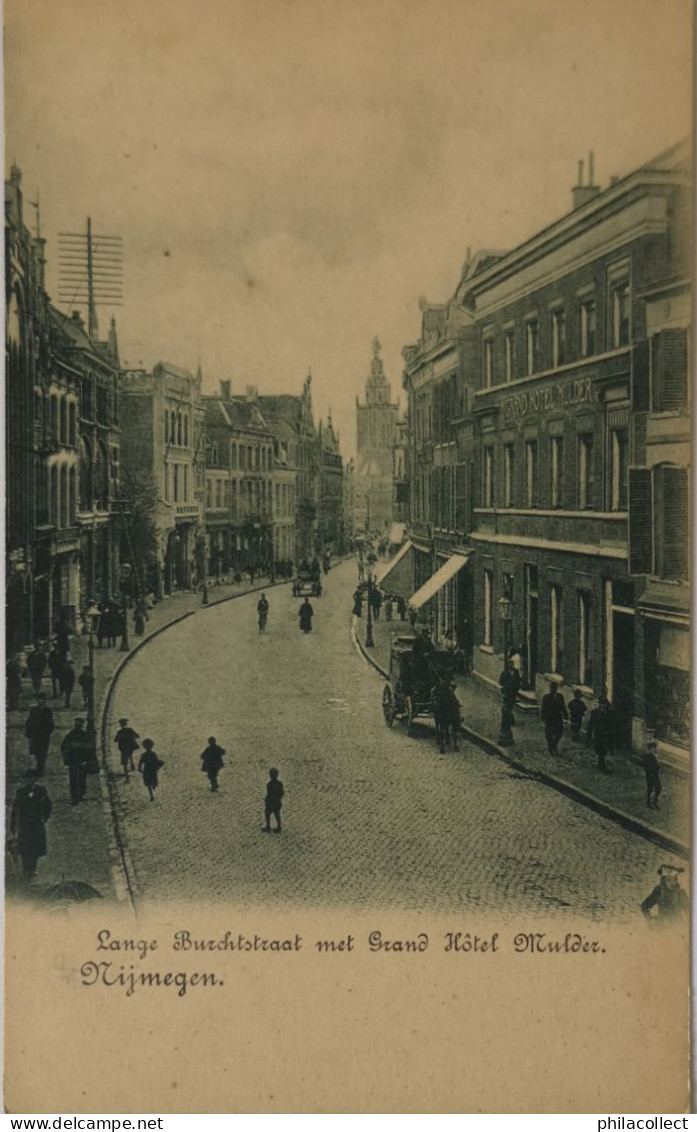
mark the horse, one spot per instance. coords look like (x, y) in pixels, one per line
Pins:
(446, 710)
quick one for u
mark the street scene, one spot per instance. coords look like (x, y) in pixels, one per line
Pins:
(370, 817)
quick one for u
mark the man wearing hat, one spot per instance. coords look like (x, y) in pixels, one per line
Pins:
(668, 898)
(553, 712)
(38, 729)
(126, 740)
(601, 732)
(31, 809)
(76, 750)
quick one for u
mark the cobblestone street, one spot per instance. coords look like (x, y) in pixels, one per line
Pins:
(370, 816)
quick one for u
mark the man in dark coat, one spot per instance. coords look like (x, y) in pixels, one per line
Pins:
(601, 732)
(31, 809)
(126, 740)
(305, 615)
(212, 761)
(55, 667)
(553, 712)
(38, 729)
(36, 664)
(63, 638)
(76, 750)
(272, 801)
(13, 676)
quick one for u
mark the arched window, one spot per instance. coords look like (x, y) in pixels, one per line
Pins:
(63, 410)
(72, 495)
(54, 420)
(179, 429)
(186, 430)
(54, 491)
(233, 455)
(64, 498)
(72, 424)
(85, 476)
(173, 427)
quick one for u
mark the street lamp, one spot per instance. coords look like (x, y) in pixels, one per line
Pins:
(369, 642)
(509, 678)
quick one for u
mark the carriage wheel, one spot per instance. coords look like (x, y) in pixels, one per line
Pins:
(409, 714)
(388, 708)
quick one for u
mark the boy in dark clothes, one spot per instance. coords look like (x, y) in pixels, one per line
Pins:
(577, 710)
(652, 771)
(272, 801)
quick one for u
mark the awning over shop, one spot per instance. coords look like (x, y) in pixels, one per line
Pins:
(397, 575)
(397, 533)
(436, 582)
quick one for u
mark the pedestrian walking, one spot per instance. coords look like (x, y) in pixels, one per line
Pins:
(68, 678)
(139, 616)
(31, 809)
(63, 638)
(668, 901)
(273, 801)
(126, 740)
(55, 667)
(553, 712)
(262, 612)
(652, 771)
(150, 764)
(38, 730)
(305, 616)
(13, 678)
(601, 728)
(86, 682)
(76, 750)
(36, 664)
(212, 762)
(509, 682)
(357, 603)
(577, 710)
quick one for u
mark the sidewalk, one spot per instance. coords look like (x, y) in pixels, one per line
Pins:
(81, 842)
(620, 796)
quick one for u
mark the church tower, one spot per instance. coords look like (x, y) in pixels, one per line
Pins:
(376, 423)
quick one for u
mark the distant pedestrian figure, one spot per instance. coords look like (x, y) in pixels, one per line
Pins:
(36, 664)
(31, 809)
(273, 801)
(601, 728)
(667, 902)
(55, 667)
(553, 712)
(652, 771)
(38, 729)
(305, 616)
(76, 750)
(126, 740)
(357, 603)
(68, 674)
(212, 762)
(86, 682)
(577, 710)
(150, 764)
(63, 638)
(13, 676)
(139, 621)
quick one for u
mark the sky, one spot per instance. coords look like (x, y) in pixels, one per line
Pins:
(291, 177)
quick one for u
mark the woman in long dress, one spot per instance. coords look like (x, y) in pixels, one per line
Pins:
(305, 615)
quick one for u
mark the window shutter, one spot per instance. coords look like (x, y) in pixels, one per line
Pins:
(640, 521)
(673, 379)
(675, 523)
(640, 377)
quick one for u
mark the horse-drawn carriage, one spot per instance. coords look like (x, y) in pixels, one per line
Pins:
(420, 684)
(307, 583)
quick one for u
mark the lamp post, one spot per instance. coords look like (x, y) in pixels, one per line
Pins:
(369, 642)
(509, 678)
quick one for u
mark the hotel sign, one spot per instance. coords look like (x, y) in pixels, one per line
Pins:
(561, 395)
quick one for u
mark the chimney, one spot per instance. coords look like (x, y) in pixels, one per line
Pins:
(225, 393)
(581, 194)
(251, 394)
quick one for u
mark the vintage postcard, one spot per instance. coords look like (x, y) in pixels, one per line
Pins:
(347, 394)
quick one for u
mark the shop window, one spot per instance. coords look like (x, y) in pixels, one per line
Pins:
(585, 639)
